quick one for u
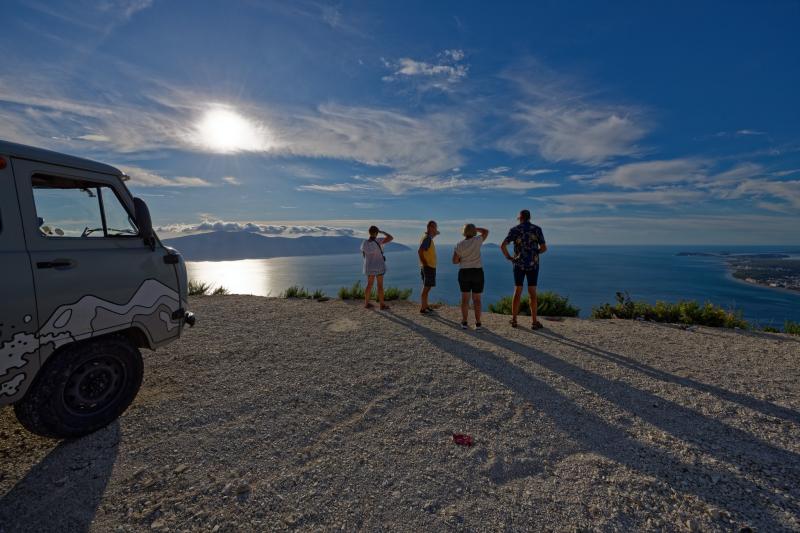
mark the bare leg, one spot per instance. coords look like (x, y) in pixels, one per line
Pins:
(476, 306)
(515, 302)
(534, 302)
(424, 298)
(380, 291)
(464, 306)
(368, 290)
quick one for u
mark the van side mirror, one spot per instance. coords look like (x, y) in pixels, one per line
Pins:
(144, 222)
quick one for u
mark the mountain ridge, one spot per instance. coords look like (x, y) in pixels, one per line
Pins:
(235, 245)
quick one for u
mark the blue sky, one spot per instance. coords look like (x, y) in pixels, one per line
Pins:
(625, 124)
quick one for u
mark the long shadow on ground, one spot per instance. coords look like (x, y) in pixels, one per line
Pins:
(763, 406)
(62, 491)
(599, 436)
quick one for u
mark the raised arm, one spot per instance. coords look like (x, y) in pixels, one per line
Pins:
(504, 249)
(386, 238)
(484, 233)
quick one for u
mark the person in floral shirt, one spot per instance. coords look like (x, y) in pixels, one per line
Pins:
(529, 243)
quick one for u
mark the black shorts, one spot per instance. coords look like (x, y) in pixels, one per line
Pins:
(471, 280)
(531, 274)
(428, 275)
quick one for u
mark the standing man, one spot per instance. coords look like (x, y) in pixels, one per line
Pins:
(528, 242)
(427, 263)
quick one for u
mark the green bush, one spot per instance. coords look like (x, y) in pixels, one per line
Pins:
(548, 304)
(220, 291)
(688, 312)
(198, 288)
(296, 291)
(356, 292)
(770, 329)
(792, 328)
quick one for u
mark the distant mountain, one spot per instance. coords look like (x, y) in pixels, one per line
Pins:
(231, 245)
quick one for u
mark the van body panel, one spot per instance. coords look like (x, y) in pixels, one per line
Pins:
(19, 345)
(108, 283)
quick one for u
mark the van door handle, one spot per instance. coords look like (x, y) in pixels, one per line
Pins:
(57, 263)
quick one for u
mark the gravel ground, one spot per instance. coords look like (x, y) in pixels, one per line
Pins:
(286, 414)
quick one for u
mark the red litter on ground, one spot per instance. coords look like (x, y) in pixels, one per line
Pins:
(462, 439)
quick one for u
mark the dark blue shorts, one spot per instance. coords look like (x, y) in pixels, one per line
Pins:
(428, 275)
(531, 274)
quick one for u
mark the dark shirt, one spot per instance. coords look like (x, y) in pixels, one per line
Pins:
(527, 239)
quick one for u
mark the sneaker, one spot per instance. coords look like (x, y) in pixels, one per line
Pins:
(478, 325)
(464, 325)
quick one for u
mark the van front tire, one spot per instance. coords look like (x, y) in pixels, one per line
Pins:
(82, 388)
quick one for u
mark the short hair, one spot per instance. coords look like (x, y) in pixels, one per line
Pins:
(469, 231)
(525, 215)
(373, 231)
(431, 223)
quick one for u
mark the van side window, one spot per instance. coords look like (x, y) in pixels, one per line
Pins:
(68, 207)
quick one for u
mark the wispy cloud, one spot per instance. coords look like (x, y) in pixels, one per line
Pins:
(561, 124)
(424, 144)
(649, 173)
(141, 177)
(441, 74)
(400, 184)
(231, 180)
(614, 200)
(167, 118)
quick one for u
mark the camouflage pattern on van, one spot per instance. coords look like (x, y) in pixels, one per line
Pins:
(150, 309)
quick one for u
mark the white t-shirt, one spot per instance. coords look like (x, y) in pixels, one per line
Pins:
(373, 258)
(469, 250)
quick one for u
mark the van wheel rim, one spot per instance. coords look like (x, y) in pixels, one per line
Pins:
(94, 385)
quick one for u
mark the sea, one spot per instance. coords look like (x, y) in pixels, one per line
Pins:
(588, 275)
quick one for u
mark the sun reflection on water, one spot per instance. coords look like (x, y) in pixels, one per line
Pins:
(247, 276)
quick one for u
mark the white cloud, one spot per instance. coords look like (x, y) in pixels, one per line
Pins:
(649, 173)
(498, 170)
(335, 187)
(750, 132)
(425, 144)
(555, 120)
(535, 172)
(145, 178)
(125, 8)
(286, 230)
(399, 184)
(231, 180)
(36, 111)
(613, 200)
(442, 75)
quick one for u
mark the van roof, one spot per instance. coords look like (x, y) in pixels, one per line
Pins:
(22, 151)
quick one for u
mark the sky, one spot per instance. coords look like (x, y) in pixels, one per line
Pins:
(622, 123)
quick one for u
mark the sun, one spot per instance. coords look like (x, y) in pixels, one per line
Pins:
(223, 129)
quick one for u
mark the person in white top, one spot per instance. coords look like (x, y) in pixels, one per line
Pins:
(467, 256)
(375, 263)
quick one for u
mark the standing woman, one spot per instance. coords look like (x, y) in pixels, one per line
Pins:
(375, 263)
(467, 256)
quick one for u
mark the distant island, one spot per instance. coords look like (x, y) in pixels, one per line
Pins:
(234, 245)
(776, 270)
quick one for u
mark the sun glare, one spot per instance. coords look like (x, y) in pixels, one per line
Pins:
(224, 130)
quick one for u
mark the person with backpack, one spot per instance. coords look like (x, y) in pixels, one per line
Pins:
(375, 264)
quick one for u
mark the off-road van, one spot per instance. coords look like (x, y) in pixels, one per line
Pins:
(84, 284)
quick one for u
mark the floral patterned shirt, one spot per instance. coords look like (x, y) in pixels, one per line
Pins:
(527, 239)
